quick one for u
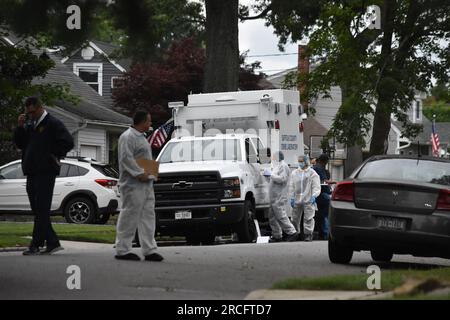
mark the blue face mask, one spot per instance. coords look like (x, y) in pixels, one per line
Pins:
(301, 165)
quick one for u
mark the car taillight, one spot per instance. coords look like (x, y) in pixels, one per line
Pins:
(443, 201)
(344, 191)
(106, 183)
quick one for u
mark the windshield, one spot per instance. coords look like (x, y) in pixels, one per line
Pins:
(408, 169)
(202, 150)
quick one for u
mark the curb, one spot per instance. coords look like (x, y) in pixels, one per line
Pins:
(268, 294)
(12, 249)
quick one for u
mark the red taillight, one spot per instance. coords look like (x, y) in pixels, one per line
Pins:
(443, 201)
(344, 192)
(106, 183)
(277, 124)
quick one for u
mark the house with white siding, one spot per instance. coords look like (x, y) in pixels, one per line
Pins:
(93, 124)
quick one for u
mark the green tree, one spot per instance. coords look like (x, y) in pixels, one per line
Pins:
(383, 67)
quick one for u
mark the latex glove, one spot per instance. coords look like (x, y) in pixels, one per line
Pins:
(267, 173)
(313, 200)
(292, 202)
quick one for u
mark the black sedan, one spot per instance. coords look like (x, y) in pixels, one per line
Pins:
(392, 205)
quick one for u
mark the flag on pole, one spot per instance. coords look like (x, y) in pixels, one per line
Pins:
(435, 144)
(161, 135)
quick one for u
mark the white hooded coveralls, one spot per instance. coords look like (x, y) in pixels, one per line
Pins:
(303, 185)
(278, 188)
(138, 198)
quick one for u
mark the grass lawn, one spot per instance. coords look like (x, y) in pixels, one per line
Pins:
(389, 281)
(12, 234)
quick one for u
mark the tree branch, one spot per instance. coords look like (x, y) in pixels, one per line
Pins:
(259, 16)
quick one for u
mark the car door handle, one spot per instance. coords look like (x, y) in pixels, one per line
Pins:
(69, 184)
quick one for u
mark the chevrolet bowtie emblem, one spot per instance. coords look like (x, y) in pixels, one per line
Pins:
(182, 185)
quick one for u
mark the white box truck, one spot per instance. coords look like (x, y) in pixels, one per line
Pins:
(211, 179)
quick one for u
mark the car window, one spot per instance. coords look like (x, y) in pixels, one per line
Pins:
(63, 171)
(73, 171)
(106, 170)
(13, 171)
(429, 171)
(82, 171)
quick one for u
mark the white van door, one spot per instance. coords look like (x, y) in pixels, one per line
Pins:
(255, 172)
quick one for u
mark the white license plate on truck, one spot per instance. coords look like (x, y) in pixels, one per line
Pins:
(180, 215)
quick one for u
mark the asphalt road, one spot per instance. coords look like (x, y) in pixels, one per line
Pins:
(225, 271)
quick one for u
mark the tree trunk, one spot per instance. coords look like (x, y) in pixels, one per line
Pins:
(382, 118)
(354, 153)
(222, 46)
(381, 127)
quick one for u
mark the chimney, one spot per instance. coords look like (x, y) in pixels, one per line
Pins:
(303, 68)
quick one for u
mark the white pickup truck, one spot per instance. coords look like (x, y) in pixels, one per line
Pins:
(211, 178)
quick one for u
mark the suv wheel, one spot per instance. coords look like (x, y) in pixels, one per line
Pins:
(80, 210)
(338, 253)
(246, 229)
(381, 255)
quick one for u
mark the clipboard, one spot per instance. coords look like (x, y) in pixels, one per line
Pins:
(150, 167)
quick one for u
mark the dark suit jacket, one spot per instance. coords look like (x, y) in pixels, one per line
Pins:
(42, 147)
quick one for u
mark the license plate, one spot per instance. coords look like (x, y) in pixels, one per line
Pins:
(391, 223)
(179, 215)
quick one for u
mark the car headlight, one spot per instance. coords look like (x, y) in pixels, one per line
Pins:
(232, 193)
(231, 182)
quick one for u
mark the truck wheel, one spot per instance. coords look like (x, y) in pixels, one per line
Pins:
(382, 256)
(102, 218)
(79, 210)
(246, 229)
(338, 253)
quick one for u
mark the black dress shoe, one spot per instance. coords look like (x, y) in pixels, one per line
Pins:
(292, 237)
(154, 257)
(31, 251)
(274, 239)
(50, 249)
(128, 256)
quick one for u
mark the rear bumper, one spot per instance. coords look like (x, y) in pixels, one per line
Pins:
(424, 235)
(215, 217)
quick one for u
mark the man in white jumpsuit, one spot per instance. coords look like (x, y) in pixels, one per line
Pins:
(278, 188)
(136, 189)
(304, 188)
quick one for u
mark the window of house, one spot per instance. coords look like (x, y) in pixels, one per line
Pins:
(91, 73)
(116, 82)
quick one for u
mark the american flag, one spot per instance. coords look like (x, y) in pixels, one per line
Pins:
(435, 141)
(161, 135)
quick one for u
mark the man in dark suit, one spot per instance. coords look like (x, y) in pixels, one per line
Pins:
(44, 140)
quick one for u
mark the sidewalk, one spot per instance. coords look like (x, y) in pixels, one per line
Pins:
(314, 295)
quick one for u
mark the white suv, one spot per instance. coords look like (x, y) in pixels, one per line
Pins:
(85, 191)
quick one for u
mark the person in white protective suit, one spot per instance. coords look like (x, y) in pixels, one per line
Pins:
(278, 188)
(136, 189)
(304, 188)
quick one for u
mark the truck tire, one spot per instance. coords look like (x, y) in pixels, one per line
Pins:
(338, 253)
(80, 210)
(102, 218)
(246, 229)
(381, 255)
